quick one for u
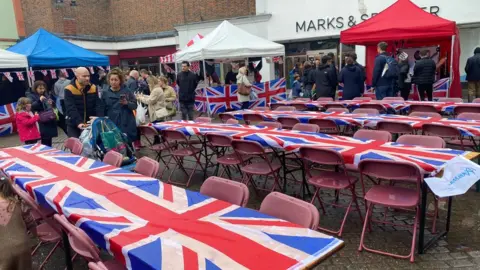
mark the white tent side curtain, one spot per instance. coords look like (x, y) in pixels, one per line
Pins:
(12, 60)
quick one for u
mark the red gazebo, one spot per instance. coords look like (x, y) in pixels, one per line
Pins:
(412, 26)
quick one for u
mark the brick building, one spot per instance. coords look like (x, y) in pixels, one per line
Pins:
(132, 32)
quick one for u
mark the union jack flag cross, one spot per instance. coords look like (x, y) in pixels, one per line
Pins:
(147, 224)
(7, 119)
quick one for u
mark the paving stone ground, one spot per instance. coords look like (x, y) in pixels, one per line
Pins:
(459, 250)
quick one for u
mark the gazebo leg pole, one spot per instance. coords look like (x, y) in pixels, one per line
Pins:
(451, 66)
(206, 85)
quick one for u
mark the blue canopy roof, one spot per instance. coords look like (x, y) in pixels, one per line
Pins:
(43, 49)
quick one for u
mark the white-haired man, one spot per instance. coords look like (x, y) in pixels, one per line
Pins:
(132, 83)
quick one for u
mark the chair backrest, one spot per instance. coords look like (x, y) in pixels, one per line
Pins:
(366, 111)
(466, 109)
(219, 140)
(203, 119)
(477, 100)
(113, 158)
(393, 98)
(303, 99)
(68, 144)
(174, 136)
(456, 100)
(469, 116)
(83, 244)
(77, 147)
(322, 156)
(425, 114)
(370, 134)
(378, 107)
(285, 108)
(247, 147)
(252, 118)
(288, 122)
(149, 133)
(96, 266)
(326, 125)
(362, 98)
(291, 209)
(395, 127)
(232, 121)
(441, 130)
(226, 190)
(333, 105)
(300, 107)
(274, 106)
(306, 127)
(324, 99)
(422, 140)
(391, 170)
(270, 124)
(147, 166)
(422, 108)
(262, 108)
(338, 110)
(224, 117)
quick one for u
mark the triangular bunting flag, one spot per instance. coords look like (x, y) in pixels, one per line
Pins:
(53, 73)
(9, 76)
(20, 76)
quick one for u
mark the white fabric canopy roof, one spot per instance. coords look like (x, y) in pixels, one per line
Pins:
(12, 60)
(229, 41)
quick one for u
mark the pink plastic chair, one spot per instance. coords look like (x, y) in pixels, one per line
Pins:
(285, 108)
(324, 99)
(422, 108)
(303, 99)
(306, 127)
(232, 121)
(300, 107)
(157, 144)
(221, 146)
(422, 140)
(378, 107)
(469, 116)
(392, 196)
(69, 143)
(84, 246)
(47, 232)
(336, 180)
(425, 114)
(393, 99)
(290, 209)
(326, 126)
(477, 100)
(466, 109)
(369, 134)
(252, 118)
(362, 98)
(224, 117)
(185, 149)
(450, 134)
(395, 127)
(270, 124)
(259, 163)
(147, 166)
(203, 120)
(226, 190)
(333, 105)
(77, 148)
(338, 110)
(262, 108)
(288, 122)
(274, 106)
(366, 111)
(113, 158)
(456, 100)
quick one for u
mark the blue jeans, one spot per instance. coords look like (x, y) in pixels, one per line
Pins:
(383, 91)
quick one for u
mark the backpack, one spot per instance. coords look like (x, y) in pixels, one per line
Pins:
(390, 71)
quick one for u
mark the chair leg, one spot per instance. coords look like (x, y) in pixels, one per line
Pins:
(435, 215)
(414, 237)
(345, 218)
(49, 255)
(355, 200)
(365, 224)
(317, 195)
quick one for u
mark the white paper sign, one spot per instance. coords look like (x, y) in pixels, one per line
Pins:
(459, 175)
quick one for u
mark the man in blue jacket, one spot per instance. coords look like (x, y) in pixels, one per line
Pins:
(382, 84)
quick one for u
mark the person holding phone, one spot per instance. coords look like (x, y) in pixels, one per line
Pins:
(41, 102)
(119, 103)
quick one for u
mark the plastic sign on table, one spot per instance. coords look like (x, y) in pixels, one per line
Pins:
(459, 175)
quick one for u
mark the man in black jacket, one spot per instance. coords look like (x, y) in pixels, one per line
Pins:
(308, 79)
(382, 84)
(325, 79)
(81, 102)
(424, 75)
(334, 72)
(187, 82)
(472, 68)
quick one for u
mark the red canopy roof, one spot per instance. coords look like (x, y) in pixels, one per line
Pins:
(401, 21)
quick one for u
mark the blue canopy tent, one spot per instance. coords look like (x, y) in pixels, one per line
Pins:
(44, 49)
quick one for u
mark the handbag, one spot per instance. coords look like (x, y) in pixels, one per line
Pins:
(244, 90)
(161, 113)
(47, 115)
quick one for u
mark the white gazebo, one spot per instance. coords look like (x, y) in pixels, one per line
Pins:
(12, 60)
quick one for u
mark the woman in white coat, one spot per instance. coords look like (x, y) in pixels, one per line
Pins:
(242, 79)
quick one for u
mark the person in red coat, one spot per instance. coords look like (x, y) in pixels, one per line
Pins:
(27, 122)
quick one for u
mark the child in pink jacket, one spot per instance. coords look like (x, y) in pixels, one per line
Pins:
(27, 125)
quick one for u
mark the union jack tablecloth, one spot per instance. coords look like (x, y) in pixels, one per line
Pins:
(446, 107)
(7, 119)
(350, 104)
(352, 150)
(147, 224)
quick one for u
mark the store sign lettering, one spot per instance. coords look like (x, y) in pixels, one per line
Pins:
(333, 23)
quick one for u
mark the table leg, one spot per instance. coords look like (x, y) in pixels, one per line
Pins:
(66, 248)
(284, 165)
(423, 214)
